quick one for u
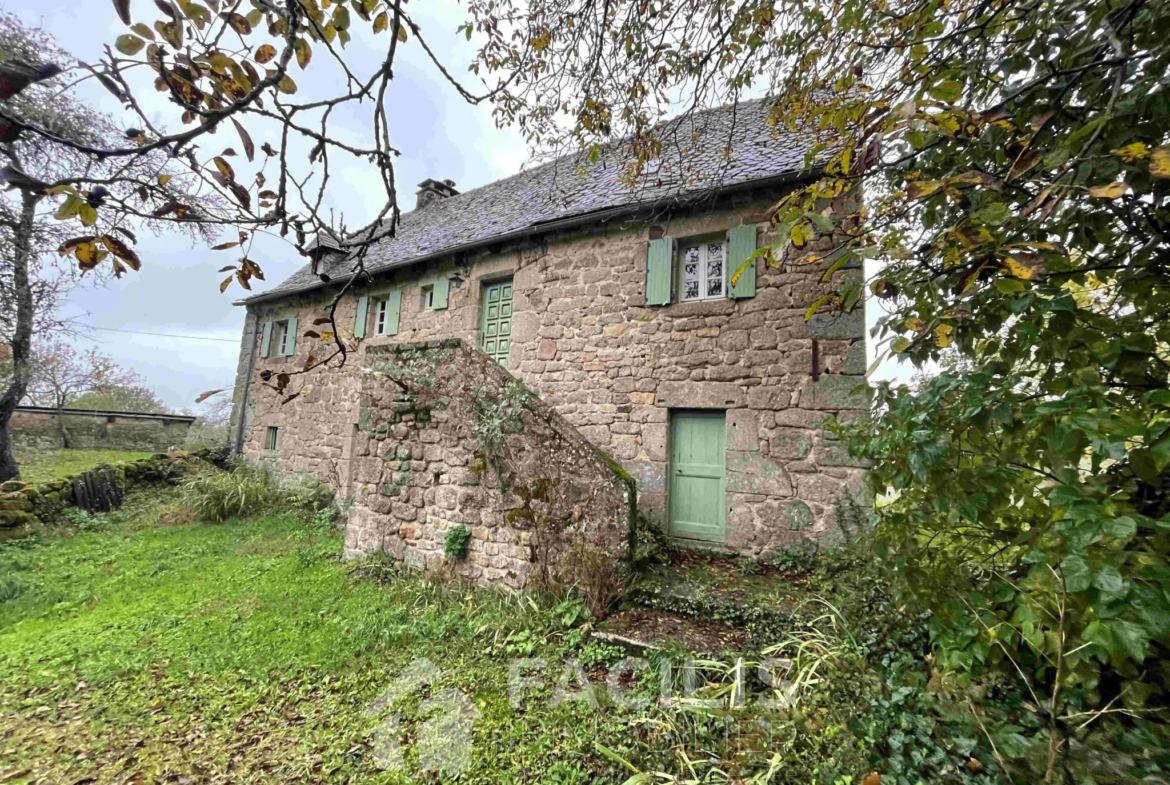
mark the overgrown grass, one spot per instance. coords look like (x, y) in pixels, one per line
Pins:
(249, 648)
(139, 643)
(217, 496)
(50, 465)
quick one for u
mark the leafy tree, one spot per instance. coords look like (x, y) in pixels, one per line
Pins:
(1015, 167)
(1015, 161)
(122, 398)
(61, 377)
(33, 276)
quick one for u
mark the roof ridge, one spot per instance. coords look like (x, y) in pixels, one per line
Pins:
(676, 119)
(533, 199)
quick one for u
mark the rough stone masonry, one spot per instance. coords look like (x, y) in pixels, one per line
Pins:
(446, 438)
(587, 342)
(584, 341)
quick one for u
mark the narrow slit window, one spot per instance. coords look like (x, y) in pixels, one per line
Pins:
(380, 316)
(428, 298)
(270, 438)
(702, 271)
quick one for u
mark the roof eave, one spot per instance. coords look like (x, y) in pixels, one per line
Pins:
(547, 226)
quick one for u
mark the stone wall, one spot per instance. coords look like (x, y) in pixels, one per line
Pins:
(32, 431)
(23, 504)
(447, 438)
(585, 342)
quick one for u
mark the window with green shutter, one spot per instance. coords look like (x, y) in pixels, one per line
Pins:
(659, 268)
(442, 287)
(702, 273)
(386, 314)
(359, 325)
(266, 340)
(280, 338)
(279, 331)
(290, 337)
(433, 296)
(741, 244)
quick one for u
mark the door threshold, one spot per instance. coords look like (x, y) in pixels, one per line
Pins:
(706, 546)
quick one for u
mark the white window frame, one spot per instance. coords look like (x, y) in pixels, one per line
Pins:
(271, 435)
(380, 306)
(279, 334)
(427, 298)
(702, 246)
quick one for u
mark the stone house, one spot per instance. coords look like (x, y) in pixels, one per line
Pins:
(615, 307)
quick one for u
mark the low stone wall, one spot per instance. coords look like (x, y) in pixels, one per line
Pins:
(30, 431)
(24, 503)
(447, 438)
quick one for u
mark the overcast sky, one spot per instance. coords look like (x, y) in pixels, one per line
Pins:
(176, 292)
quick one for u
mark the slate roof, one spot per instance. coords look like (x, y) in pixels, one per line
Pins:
(718, 148)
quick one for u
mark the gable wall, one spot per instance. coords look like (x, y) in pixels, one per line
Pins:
(586, 343)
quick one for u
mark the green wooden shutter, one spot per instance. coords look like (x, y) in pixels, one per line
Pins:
(359, 326)
(659, 266)
(266, 341)
(442, 286)
(290, 337)
(741, 244)
(393, 309)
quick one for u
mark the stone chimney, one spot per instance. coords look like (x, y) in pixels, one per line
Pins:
(433, 190)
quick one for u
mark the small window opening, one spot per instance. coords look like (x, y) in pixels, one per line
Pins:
(702, 271)
(380, 317)
(428, 298)
(270, 438)
(279, 334)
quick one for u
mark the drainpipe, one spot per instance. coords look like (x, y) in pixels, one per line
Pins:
(242, 412)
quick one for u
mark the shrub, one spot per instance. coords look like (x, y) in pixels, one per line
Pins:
(457, 542)
(217, 496)
(306, 492)
(593, 571)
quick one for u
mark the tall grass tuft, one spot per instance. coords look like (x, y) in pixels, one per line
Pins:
(217, 496)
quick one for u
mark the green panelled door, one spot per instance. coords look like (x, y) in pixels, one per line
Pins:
(495, 330)
(697, 475)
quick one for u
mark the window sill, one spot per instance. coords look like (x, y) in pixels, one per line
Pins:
(715, 307)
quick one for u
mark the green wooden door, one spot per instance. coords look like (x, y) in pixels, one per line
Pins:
(495, 329)
(697, 475)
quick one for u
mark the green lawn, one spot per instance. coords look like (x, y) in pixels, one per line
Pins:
(248, 652)
(52, 465)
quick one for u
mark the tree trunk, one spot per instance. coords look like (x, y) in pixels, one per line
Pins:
(61, 424)
(22, 334)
